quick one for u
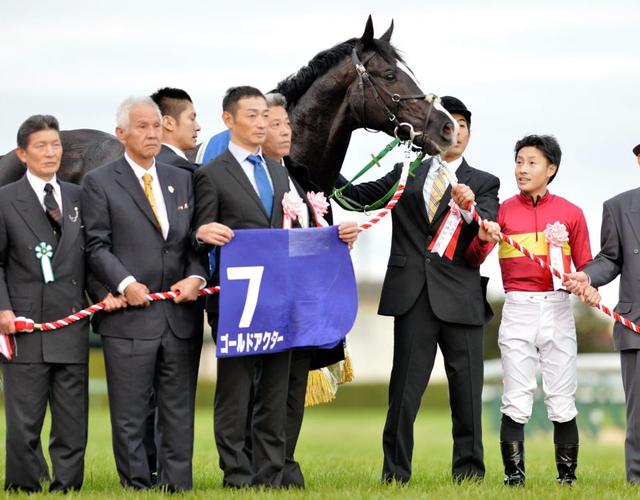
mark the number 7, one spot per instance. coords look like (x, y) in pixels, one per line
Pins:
(254, 275)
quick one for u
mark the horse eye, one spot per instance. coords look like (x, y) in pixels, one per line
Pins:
(390, 76)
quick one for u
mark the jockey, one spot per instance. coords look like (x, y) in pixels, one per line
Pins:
(537, 321)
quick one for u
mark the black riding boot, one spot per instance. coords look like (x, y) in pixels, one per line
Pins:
(566, 462)
(513, 460)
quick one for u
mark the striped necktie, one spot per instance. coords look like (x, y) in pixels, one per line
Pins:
(262, 182)
(440, 184)
(53, 210)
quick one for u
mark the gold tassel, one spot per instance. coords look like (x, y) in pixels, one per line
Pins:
(347, 369)
(319, 389)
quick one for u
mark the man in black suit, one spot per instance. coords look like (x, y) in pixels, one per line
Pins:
(179, 134)
(179, 127)
(138, 223)
(40, 211)
(241, 189)
(435, 302)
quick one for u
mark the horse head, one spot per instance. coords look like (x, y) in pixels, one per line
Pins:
(359, 84)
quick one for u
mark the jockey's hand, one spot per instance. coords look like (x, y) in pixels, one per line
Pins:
(188, 288)
(577, 282)
(489, 231)
(590, 296)
(7, 322)
(348, 233)
(136, 294)
(113, 303)
(214, 233)
(462, 196)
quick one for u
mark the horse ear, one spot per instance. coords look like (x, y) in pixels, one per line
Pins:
(367, 36)
(387, 34)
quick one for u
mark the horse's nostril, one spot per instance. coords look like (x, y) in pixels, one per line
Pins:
(447, 129)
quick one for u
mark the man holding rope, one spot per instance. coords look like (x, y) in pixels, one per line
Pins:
(436, 299)
(537, 326)
(620, 256)
(42, 276)
(138, 221)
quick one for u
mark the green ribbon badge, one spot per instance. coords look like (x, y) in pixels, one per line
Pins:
(44, 252)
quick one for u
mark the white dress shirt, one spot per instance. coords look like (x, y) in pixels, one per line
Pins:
(176, 150)
(37, 184)
(431, 177)
(240, 154)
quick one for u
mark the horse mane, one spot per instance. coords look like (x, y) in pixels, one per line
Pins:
(296, 85)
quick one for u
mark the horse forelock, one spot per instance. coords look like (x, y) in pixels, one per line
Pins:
(296, 85)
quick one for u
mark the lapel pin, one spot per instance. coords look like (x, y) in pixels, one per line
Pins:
(74, 217)
(171, 189)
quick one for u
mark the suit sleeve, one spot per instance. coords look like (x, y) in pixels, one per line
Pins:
(487, 198)
(367, 193)
(196, 262)
(5, 301)
(479, 250)
(106, 267)
(206, 206)
(608, 263)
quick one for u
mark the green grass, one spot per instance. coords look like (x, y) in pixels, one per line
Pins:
(340, 453)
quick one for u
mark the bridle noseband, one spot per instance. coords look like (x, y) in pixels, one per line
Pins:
(365, 78)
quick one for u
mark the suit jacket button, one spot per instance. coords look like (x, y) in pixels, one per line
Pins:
(74, 282)
(428, 260)
(74, 310)
(635, 250)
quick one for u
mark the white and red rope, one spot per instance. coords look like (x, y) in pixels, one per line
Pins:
(24, 325)
(392, 202)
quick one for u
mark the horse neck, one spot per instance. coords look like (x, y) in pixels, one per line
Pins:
(322, 127)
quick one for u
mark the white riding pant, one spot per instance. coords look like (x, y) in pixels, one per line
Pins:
(538, 328)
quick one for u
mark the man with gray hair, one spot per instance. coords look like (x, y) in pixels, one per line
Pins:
(138, 224)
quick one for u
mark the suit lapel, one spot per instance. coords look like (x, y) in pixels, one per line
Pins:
(280, 181)
(31, 211)
(71, 223)
(235, 170)
(633, 216)
(164, 177)
(130, 183)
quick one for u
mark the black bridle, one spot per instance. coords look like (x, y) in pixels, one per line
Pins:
(365, 78)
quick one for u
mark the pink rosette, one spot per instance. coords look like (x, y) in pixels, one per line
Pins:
(320, 207)
(556, 234)
(291, 207)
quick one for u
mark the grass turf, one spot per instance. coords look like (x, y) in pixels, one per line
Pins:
(340, 453)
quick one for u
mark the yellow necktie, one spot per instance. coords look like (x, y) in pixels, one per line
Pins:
(148, 192)
(440, 184)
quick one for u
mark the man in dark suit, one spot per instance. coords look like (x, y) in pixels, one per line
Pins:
(619, 256)
(435, 302)
(138, 223)
(241, 189)
(179, 134)
(179, 127)
(35, 212)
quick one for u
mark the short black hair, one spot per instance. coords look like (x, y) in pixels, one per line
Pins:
(547, 145)
(34, 124)
(234, 94)
(171, 101)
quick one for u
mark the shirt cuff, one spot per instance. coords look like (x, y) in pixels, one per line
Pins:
(125, 283)
(466, 215)
(204, 281)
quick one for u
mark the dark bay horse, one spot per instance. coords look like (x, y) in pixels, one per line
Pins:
(356, 84)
